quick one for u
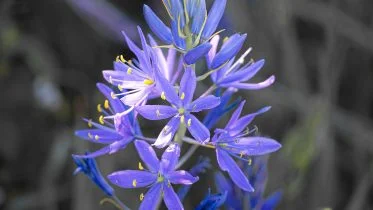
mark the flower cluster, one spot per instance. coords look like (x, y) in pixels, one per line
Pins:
(160, 83)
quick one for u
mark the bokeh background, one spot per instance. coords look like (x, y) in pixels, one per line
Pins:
(321, 51)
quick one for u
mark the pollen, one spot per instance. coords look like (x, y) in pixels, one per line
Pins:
(142, 196)
(90, 123)
(99, 108)
(249, 161)
(140, 166)
(181, 111)
(189, 122)
(134, 183)
(106, 104)
(182, 96)
(122, 59)
(148, 82)
(101, 119)
(163, 96)
(97, 137)
(120, 88)
(129, 71)
(182, 119)
(117, 59)
(113, 96)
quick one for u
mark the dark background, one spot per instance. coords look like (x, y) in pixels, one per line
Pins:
(321, 51)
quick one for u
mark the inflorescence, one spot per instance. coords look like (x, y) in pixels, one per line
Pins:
(160, 83)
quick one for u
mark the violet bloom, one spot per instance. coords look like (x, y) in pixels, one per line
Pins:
(137, 75)
(234, 73)
(117, 134)
(234, 141)
(181, 109)
(159, 176)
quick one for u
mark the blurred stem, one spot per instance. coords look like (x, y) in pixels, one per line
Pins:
(187, 155)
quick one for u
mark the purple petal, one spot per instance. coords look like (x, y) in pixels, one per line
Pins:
(197, 129)
(182, 177)
(252, 146)
(110, 149)
(115, 104)
(147, 155)
(132, 178)
(121, 77)
(215, 14)
(156, 112)
(236, 114)
(204, 103)
(170, 158)
(162, 61)
(249, 86)
(244, 74)
(136, 98)
(188, 85)
(165, 87)
(227, 164)
(151, 197)
(99, 135)
(192, 56)
(157, 26)
(171, 199)
(167, 133)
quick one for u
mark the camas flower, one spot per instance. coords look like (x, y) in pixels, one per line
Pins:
(159, 176)
(137, 75)
(181, 109)
(88, 166)
(234, 73)
(233, 141)
(212, 201)
(117, 134)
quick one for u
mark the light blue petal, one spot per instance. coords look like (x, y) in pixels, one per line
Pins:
(157, 26)
(215, 14)
(192, 56)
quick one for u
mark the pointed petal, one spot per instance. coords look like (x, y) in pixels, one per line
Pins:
(162, 61)
(204, 103)
(147, 155)
(199, 14)
(132, 178)
(164, 86)
(170, 158)
(244, 74)
(151, 198)
(182, 177)
(120, 77)
(98, 135)
(236, 114)
(227, 164)
(197, 129)
(249, 86)
(109, 149)
(156, 112)
(272, 201)
(239, 125)
(253, 146)
(167, 133)
(115, 104)
(188, 85)
(225, 185)
(171, 199)
(192, 56)
(136, 98)
(211, 54)
(157, 26)
(229, 49)
(215, 14)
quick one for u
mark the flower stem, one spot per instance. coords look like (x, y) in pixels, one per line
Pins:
(120, 203)
(187, 155)
(208, 91)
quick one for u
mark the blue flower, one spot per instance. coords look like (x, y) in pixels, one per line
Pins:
(190, 23)
(159, 176)
(114, 129)
(234, 141)
(137, 75)
(212, 201)
(234, 73)
(181, 109)
(88, 166)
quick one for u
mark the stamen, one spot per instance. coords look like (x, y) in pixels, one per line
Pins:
(99, 109)
(90, 123)
(242, 153)
(113, 96)
(129, 71)
(189, 122)
(97, 137)
(142, 196)
(122, 59)
(111, 79)
(249, 161)
(182, 119)
(90, 136)
(106, 104)
(163, 96)
(120, 87)
(182, 96)
(168, 183)
(158, 113)
(134, 183)
(140, 166)
(225, 39)
(117, 59)
(101, 119)
(181, 110)
(148, 82)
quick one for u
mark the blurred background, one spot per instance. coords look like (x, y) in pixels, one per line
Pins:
(321, 51)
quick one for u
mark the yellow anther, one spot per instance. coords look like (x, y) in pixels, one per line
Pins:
(101, 119)
(163, 96)
(97, 137)
(113, 96)
(140, 166)
(117, 59)
(241, 154)
(106, 104)
(99, 108)
(129, 62)
(142, 196)
(160, 178)
(189, 122)
(182, 96)
(181, 111)
(225, 39)
(90, 136)
(182, 119)
(224, 144)
(90, 123)
(129, 71)
(249, 161)
(120, 88)
(134, 183)
(122, 58)
(148, 82)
